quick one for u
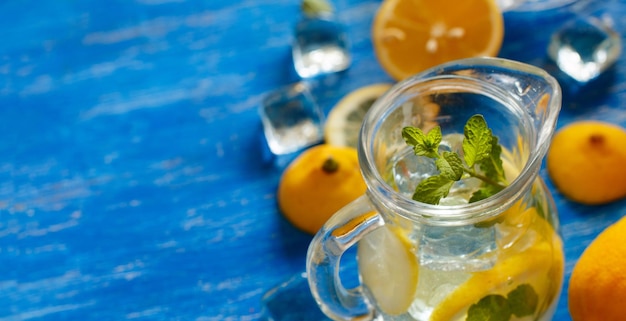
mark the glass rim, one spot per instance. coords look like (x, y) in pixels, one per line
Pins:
(385, 196)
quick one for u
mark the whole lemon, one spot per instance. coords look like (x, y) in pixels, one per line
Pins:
(586, 162)
(318, 183)
(597, 287)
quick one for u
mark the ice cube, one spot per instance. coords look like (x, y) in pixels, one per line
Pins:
(320, 47)
(409, 170)
(291, 119)
(585, 47)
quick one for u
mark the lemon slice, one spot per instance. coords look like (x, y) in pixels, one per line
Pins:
(543, 261)
(344, 120)
(389, 269)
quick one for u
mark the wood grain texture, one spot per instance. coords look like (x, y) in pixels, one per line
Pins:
(133, 184)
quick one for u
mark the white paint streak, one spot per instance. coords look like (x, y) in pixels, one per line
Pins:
(150, 29)
(110, 157)
(39, 313)
(160, 27)
(53, 196)
(30, 232)
(151, 98)
(140, 101)
(219, 148)
(144, 313)
(211, 114)
(107, 68)
(250, 103)
(167, 245)
(193, 222)
(228, 284)
(250, 295)
(167, 164)
(128, 271)
(42, 84)
(164, 180)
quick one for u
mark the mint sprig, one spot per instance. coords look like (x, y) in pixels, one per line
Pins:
(481, 159)
(492, 307)
(520, 302)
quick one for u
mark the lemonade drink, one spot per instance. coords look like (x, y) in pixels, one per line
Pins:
(510, 265)
(434, 256)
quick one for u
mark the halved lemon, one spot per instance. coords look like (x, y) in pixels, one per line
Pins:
(410, 36)
(389, 269)
(344, 120)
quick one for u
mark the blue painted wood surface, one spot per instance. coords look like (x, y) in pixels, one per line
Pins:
(131, 180)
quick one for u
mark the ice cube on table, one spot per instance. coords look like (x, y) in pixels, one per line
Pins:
(584, 47)
(320, 47)
(291, 118)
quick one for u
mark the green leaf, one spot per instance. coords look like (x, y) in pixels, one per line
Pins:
(492, 165)
(413, 136)
(433, 189)
(450, 166)
(485, 191)
(479, 194)
(490, 308)
(480, 148)
(423, 145)
(523, 300)
(434, 137)
(477, 142)
(490, 223)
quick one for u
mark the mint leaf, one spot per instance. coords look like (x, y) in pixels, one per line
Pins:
(489, 223)
(492, 165)
(484, 191)
(432, 189)
(450, 166)
(480, 148)
(480, 194)
(523, 300)
(434, 137)
(413, 136)
(423, 145)
(490, 308)
(477, 142)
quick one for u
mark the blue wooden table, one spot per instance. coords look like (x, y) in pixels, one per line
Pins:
(132, 181)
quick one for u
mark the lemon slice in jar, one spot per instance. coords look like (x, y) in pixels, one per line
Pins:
(540, 267)
(389, 269)
(344, 120)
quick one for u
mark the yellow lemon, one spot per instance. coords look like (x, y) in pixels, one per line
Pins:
(319, 182)
(597, 287)
(586, 162)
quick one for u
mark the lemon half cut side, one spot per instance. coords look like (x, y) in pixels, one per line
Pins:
(344, 120)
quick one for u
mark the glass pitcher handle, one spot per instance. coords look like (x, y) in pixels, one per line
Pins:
(341, 231)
